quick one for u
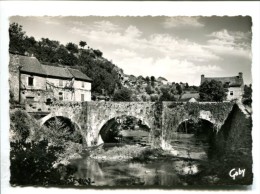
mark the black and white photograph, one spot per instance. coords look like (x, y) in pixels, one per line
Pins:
(130, 101)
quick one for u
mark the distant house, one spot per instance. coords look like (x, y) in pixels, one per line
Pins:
(162, 80)
(234, 84)
(187, 96)
(31, 82)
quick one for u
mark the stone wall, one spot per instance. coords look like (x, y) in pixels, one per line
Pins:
(235, 134)
(13, 78)
(237, 93)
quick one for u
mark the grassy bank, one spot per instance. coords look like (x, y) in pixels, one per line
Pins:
(128, 153)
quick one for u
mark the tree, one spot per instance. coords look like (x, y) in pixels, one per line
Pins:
(123, 94)
(247, 96)
(152, 80)
(149, 90)
(17, 37)
(82, 44)
(186, 86)
(166, 96)
(147, 79)
(179, 89)
(73, 48)
(98, 53)
(212, 91)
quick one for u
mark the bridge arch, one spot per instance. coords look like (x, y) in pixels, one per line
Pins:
(107, 124)
(65, 121)
(197, 135)
(58, 114)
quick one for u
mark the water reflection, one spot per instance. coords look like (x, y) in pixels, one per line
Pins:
(163, 173)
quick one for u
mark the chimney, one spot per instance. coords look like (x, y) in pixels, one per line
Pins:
(240, 74)
(202, 78)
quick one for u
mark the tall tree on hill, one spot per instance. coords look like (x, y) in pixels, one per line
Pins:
(73, 48)
(152, 80)
(147, 79)
(82, 44)
(179, 89)
(17, 36)
(212, 91)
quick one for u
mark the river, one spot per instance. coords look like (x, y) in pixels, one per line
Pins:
(125, 173)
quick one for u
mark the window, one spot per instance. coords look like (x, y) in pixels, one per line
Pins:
(29, 98)
(231, 93)
(60, 82)
(82, 97)
(60, 96)
(30, 81)
(66, 96)
(48, 101)
(82, 84)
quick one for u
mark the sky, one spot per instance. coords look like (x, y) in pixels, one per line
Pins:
(179, 48)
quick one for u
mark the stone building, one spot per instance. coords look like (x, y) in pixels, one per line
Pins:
(234, 84)
(46, 84)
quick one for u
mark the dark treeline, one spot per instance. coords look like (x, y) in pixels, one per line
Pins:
(52, 52)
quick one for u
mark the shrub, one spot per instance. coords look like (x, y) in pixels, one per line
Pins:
(123, 95)
(22, 126)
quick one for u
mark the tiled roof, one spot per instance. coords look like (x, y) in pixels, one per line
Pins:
(33, 66)
(29, 64)
(79, 75)
(53, 71)
(232, 81)
(190, 95)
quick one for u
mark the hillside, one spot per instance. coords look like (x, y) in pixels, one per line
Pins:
(51, 52)
(108, 79)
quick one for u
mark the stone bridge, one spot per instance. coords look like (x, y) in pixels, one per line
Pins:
(163, 118)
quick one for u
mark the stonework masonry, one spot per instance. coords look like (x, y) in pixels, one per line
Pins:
(163, 118)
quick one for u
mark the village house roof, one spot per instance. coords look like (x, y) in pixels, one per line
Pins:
(53, 71)
(161, 79)
(79, 75)
(190, 95)
(31, 65)
(234, 81)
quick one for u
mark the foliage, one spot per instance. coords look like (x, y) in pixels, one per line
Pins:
(154, 97)
(82, 44)
(73, 48)
(247, 96)
(152, 81)
(59, 131)
(37, 155)
(179, 89)
(149, 90)
(186, 86)
(98, 53)
(22, 126)
(16, 35)
(166, 96)
(212, 91)
(147, 79)
(123, 94)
